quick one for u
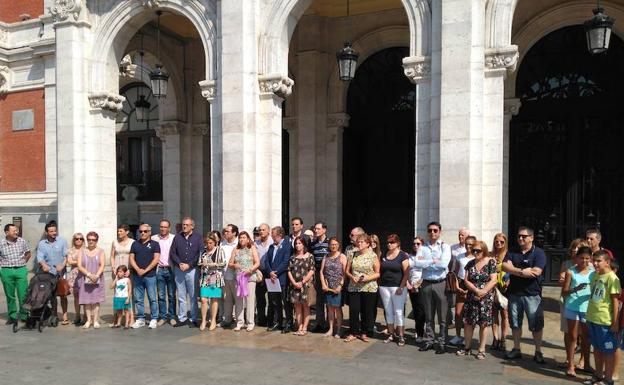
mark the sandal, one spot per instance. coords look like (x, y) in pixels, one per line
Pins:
(401, 341)
(65, 322)
(364, 338)
(115, 326)
(480, 356)
(350, 338)
(464, 352)
(389, 339)
(593, 380)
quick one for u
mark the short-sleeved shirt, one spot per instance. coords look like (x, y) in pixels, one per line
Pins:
(144, 254)
(320, 249)
(363, 264)
(600, 307)
(522, 286)
(391, 270)
(52, 253)
(12, 253)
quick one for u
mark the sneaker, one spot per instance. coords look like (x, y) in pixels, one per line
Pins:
(513, 354)
(539, 358)
(139, 323)
(161, 322)
(153, 324)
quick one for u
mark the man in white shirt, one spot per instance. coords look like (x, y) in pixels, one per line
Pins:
(164, 275)
(456, 250)
(265, 317)
(228, 244)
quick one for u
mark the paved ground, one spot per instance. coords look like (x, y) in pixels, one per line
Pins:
(69, 355)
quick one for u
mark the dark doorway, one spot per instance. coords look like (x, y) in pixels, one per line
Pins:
(378, 155)
(566, 155)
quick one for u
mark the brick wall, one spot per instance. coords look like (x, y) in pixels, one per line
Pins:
(22, 153)
(10, 10)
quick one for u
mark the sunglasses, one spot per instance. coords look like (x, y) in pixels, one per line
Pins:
(143, 231)
(433, 230)
(78, 239)
(417, 243)
(523, 236)
(476, 251)
(391, 243)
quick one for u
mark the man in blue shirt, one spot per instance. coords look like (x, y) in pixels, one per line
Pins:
(144, 257)
(525, 292)
(434, 258)
(51, 257)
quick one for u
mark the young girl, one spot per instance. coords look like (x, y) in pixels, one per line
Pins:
(575, 292)
(121, 302)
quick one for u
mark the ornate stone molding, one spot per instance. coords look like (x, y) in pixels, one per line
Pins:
(338, 120)
(150, 3)
(417, 68)
(106, 101)
(64, 9)
(126, 68)
(289, 124)
(276, 84)
(512, 106)
(4, 35)
(500, 61)
(208, 89)
(4, 79)
(200, 129)
(167, 128)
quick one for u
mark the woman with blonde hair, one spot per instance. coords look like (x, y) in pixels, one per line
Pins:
(500, 246)
(211, 282)
(375, 245)
(73, 254)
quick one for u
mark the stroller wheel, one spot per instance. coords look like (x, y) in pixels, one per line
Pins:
(53, 322)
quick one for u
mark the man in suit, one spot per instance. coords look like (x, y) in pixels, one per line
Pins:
(277, 258)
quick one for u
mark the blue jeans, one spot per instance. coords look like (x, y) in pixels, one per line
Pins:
(529, 304)
(186, 282)
(166, 293)
(140, 284)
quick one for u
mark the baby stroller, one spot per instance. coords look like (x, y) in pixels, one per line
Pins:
(40, 302)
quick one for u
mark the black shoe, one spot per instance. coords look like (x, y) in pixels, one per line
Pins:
(426, 346)
(440, 349)
(11, 321)
(273, 328)
(193, 324)
(286, 329)
(539, 358)
(181, 323)
(320, 329)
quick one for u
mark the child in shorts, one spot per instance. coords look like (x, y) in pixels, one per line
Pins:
(121, 301)
(603, 318)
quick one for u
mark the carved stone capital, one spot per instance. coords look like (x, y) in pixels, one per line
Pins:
(167, 128)
(126, 68)
(200, 129)
(4, 79)
(275, 84)
(417, 68)
(289, 124)
(208, 89)
(150, 3)
(64, 9)
(501, 61)
(338, 120)
(106, 101)
(512, 106)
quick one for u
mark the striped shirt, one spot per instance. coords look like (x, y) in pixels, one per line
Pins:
(12, 253)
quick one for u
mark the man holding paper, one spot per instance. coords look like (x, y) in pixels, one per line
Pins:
(277, 258)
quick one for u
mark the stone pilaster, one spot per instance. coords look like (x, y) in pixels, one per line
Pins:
(511, 108)
(336, 124)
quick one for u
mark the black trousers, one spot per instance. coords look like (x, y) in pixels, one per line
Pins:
(418, 312)
(281, 306)
(319, 308)
(264, 315)
(362, 311)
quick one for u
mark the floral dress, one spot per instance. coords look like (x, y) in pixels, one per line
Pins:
(479, 311)
(299, 268)
(212, 266)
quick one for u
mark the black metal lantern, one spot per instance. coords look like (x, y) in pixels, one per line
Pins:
(159, 78)
(598, 31)
(347, 62)
(142, 109)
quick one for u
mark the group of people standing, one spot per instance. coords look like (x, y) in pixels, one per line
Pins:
(273, 278)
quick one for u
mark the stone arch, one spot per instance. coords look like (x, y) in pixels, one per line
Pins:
(126, 18)
(498, 21)
(367, 45)
(563, 15)
(282, 17)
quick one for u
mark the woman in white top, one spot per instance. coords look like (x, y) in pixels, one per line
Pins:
(461, 291)
(73, 254)
(120, 255)
(413, 284)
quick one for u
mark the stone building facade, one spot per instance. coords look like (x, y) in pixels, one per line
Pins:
(243, 75)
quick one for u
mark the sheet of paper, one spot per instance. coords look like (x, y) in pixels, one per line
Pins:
(273, 287)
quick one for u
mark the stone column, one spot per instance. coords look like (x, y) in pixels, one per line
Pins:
(87, 194)
(169, 135)
(511, 109)
(460, 25)
(418, 70)
(498, 62)
(336, 123)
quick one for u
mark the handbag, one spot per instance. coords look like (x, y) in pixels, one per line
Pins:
(501, 299)
(87, 281)
(451, 282)
(259, 276)
(62, 287)
(311, 293)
